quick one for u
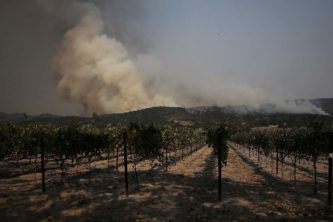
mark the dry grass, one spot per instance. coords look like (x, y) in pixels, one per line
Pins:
(187, 192)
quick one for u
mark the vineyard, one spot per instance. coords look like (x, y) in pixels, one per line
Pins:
(159, 173)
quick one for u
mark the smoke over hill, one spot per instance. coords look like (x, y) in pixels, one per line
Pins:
(108, 56)
(97, 71)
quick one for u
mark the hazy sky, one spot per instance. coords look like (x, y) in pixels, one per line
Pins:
(282, 48)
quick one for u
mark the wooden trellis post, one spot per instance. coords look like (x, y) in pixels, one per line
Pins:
(125, 163)
(42, 163)
(330, 163)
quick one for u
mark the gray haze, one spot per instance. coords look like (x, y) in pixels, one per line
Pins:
(191, 53)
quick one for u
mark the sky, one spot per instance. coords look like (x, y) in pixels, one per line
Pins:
(197, 52)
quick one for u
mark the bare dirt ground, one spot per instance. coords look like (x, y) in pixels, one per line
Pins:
(187, 192)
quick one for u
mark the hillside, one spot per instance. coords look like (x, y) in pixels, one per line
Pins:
(325, 104)
(196, 117)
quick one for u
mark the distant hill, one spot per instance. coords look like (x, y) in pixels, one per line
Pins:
(12, 117)
(325, 104)
(196, 117)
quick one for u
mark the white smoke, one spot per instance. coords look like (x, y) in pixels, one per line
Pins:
(294, 106)
(96, 71)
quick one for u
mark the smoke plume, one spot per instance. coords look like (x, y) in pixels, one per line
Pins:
(96, 71)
